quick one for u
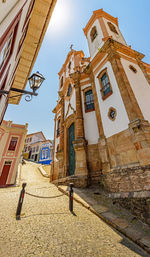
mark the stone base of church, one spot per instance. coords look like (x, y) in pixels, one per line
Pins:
(127, 179)
(78, 181)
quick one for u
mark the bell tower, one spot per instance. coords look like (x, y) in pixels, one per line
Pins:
(100, 27)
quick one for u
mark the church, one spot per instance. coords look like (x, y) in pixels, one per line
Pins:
(102, 116)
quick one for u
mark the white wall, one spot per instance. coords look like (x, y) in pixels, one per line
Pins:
(97, 43)
(72, 102)
(118, 37)
(115, 100)
(90, 122)
(140, 87)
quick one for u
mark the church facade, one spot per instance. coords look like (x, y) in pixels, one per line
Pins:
(102, 116)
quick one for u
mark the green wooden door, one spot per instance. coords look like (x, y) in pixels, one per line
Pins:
(71, 150)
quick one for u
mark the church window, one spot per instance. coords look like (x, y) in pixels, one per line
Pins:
(69, 90)
(58, 128)
(112, 27)
(106, 89)
(89, 101)
(13, 143)
(69, 66)
(61, 82)
(112, 113)
(93, 33)
(133, 68)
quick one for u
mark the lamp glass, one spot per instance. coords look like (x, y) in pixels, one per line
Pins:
(36, 80)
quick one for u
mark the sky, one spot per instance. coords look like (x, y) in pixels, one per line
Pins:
(66, 28)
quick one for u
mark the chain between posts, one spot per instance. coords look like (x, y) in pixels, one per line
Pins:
(22, 193)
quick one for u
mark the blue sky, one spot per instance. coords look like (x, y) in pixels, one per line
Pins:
(66, 28)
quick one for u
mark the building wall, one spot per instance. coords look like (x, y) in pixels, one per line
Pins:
(115, 100)
(98, 42)
(8, 14)
(9, 130)
(140, 87)
(104, 145)
(91, 132)
(118, 37)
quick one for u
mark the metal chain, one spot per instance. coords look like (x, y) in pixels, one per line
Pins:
(44, 196)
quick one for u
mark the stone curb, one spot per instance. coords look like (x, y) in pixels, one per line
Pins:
(18, 178)
(43, 172)
(109, 222)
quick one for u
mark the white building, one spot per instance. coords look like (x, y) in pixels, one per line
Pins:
(102, 115)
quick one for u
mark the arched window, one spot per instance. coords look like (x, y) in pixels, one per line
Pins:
(69, 90)
(93, 33)
(106, 89)
(112, 27)
(61, 82)
(89, 102)
(58, 128)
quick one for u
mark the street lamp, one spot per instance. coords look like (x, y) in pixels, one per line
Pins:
(35, 81)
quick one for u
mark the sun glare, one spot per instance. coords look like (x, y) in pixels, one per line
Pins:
(60, 17)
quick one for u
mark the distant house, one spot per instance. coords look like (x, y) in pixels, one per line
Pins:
(46, 152)
(32, 146)
(12, 137)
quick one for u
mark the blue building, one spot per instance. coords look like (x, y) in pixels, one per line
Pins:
(46, 152)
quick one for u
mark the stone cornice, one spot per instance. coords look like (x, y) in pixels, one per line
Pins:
(112, 47)
(76, 77)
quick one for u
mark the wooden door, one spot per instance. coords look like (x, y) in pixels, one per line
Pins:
(71, 150)
(5, 172)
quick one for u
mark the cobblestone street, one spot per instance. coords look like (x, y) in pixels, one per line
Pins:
(48, 229)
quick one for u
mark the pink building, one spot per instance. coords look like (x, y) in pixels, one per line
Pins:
(12, 138)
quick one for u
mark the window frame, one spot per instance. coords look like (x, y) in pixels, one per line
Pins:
(85, 102)
(61, 82)
(70, 92)
(109, 111)
(93, 33)
(112, 27)
(10, 148)
(13, 27)
(58, 128)
(100, 75)
(132, 68)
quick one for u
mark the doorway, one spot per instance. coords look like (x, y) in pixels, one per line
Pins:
(4, 174)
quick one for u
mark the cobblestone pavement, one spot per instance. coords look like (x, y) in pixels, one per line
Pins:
(48, 229)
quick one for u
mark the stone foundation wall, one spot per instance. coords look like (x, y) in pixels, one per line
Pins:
(93, 163)
(135, 178)
(139, 207)
(121, 149)
(78, 181)
(137, 202)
